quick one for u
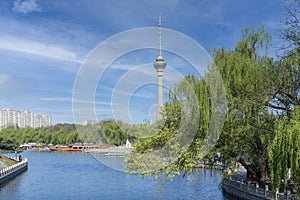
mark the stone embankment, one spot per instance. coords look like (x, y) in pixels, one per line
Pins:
(245, 191)
(10, 172)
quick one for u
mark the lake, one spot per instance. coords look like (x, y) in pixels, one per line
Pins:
(56, 175)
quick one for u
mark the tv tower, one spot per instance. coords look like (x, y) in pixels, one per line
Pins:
(159, 65)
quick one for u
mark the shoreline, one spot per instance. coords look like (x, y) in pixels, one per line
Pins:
(245, 191)
(11, 172)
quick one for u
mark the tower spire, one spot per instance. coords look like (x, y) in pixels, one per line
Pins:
(159, 34)
(159, 57)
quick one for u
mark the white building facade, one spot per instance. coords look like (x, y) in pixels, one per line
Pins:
(23, 119)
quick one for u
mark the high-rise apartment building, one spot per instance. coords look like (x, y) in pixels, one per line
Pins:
(23, 119)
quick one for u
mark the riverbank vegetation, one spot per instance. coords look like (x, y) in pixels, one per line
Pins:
(262, 124)
(64, 134)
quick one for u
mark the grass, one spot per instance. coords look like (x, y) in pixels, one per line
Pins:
(6, 162)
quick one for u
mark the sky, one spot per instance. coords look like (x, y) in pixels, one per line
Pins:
(45, 43)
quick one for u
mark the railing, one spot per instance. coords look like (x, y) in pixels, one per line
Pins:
(217, 165)
(11, 169)
(240, 189)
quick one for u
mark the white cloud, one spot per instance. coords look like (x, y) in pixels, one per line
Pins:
(121, 66)
(38, 49)
(26, 6)
(62, 99)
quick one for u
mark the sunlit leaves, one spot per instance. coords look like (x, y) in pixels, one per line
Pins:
(284, 153)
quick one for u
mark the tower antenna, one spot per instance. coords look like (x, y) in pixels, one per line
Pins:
(159, 33)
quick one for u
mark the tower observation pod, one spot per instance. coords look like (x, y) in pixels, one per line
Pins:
(159, 65)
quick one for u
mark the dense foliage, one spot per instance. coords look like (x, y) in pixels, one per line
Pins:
(284, 152)
(58, 134)
(175, 146)
(107, 132)
(247, 74)
(261, 130)
(249, 124)
(64, 134)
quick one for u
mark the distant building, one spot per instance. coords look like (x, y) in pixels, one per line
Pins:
(90, 122)
(22, 119)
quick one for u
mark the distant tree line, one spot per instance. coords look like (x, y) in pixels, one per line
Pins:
(11, 138)
(106, 132)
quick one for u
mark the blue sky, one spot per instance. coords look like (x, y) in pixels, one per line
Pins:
(43, 44)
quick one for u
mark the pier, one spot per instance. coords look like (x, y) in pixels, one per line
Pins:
(111, 151)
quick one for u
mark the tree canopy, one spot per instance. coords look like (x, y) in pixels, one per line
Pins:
(106, 132)
(261, 130)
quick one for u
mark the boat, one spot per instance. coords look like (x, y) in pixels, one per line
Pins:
(82, 147)
(34, 147)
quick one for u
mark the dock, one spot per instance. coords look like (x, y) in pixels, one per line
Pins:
(112, 151)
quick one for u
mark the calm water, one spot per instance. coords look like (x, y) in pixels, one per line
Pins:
(80, 176)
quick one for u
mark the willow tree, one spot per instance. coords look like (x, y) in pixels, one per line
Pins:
(284, 152)
(287, 82)
(247, 72)
(248, 129)
(175, 147)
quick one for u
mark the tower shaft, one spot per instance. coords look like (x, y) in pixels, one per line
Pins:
(159, 93)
